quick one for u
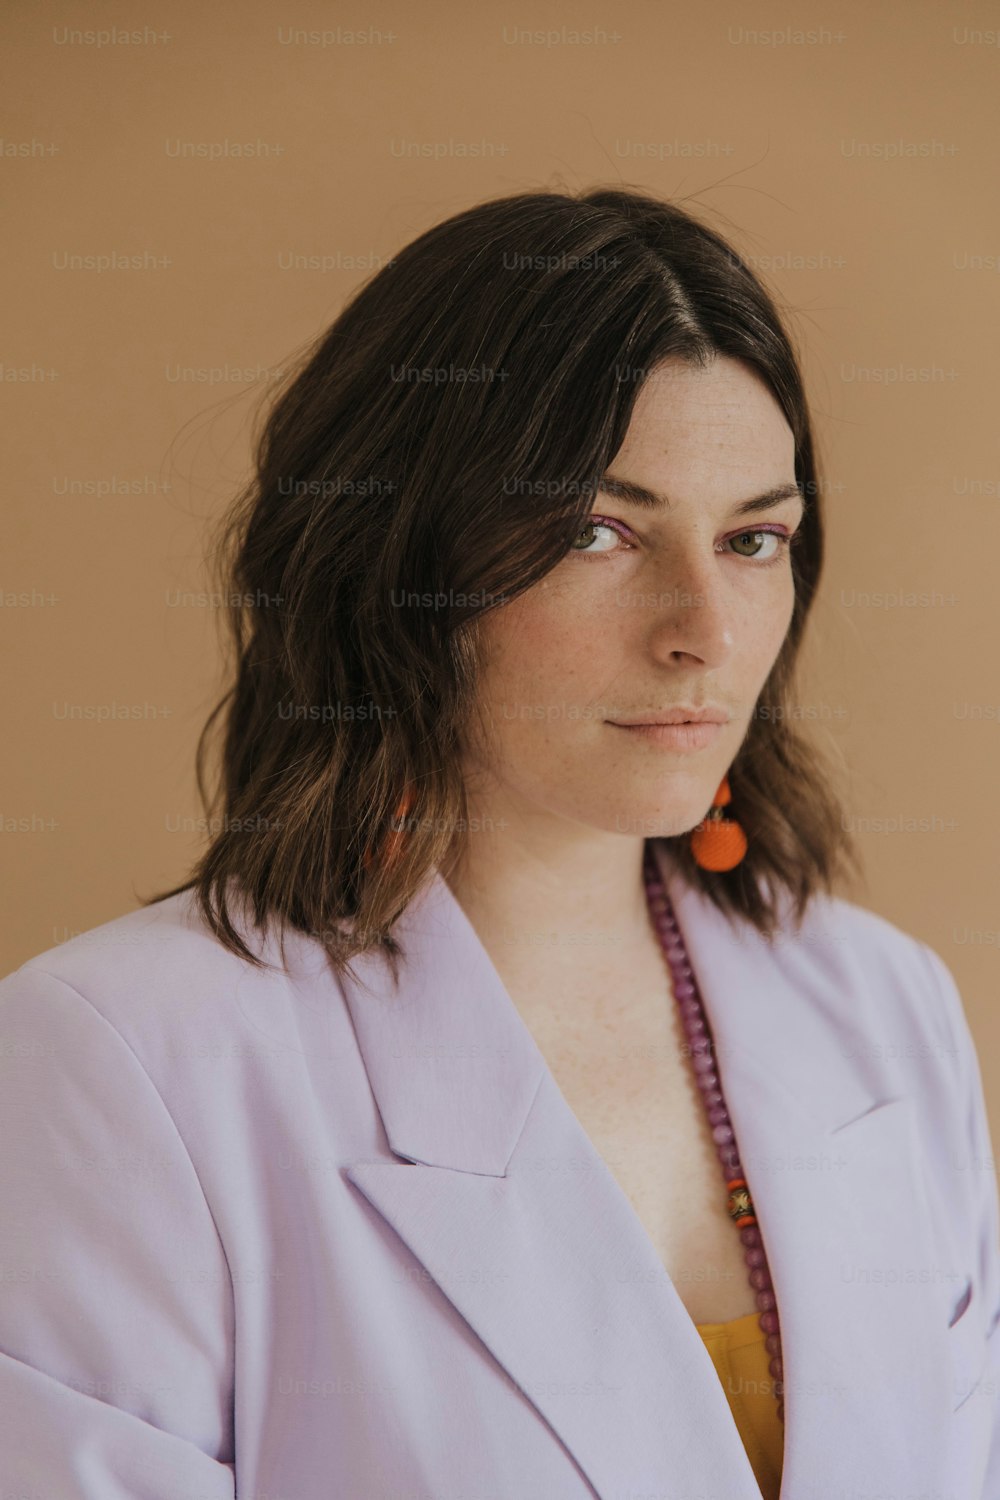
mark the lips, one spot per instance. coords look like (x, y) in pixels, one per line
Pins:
(677, 716)
(683, 738)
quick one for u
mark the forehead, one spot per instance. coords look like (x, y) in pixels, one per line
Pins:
(696, 417)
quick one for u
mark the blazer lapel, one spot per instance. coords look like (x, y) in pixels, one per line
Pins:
(503, 1199)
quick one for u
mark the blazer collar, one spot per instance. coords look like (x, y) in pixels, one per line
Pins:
(568, 1291)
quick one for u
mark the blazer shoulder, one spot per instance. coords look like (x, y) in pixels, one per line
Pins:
(889, 979)
(835, 926)
(162, 940)
(158, 942)
(160, 977)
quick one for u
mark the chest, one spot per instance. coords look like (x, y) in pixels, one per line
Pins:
(625, 1073)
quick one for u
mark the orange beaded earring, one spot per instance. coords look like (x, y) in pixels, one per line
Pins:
(718, 843)
(390, 850)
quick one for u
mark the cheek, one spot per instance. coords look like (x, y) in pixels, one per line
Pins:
(544, 646)
(783, 615)
(775, 620)
(765, 631)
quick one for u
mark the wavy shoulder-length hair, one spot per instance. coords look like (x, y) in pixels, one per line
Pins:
(434, 454)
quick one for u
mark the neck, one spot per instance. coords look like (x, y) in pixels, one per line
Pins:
(555, 906)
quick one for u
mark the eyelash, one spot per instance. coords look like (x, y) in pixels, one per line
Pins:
(788, 539)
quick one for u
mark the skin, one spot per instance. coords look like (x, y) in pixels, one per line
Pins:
(681, 609)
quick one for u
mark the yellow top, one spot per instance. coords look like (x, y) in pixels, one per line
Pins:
(741, 1361)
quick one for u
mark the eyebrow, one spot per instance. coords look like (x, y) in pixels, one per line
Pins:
(636, 494)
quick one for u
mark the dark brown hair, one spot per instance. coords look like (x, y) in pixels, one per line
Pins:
(436, 454)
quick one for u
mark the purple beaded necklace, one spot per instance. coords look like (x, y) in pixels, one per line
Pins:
(699, 1040)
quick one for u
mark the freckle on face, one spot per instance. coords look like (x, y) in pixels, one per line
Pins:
(674, 621)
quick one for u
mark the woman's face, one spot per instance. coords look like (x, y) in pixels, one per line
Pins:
(679, 606)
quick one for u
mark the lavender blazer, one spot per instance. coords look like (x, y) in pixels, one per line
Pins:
(271, 1236)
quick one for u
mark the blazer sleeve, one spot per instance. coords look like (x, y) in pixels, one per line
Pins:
(985, 1211)
(116, 1303)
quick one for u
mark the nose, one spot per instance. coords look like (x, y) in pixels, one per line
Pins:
(691, 614)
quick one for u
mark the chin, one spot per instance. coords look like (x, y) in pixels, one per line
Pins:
(678, 803)
(654, 821)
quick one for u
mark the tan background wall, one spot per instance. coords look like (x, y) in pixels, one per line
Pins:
(852, 154)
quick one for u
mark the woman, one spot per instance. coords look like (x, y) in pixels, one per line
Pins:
(506, 1106)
